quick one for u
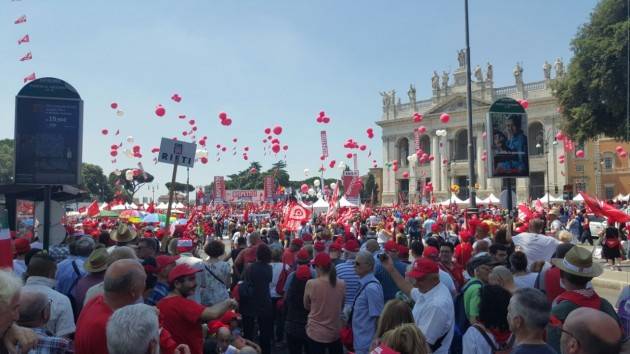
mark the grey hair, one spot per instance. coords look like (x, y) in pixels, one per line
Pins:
(532, 305)
(367, 257)
(131, 328)
(84, 246)
(32, 303)
(10, 285)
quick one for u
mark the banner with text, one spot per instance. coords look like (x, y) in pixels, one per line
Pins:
(244, 196)
(352, 186)
(219, 189)
(269, 187)
(324, 139)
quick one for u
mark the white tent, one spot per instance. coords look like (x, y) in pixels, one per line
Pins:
(578, 198)
(453, 200)
(103, 206)
(622, 198)
(119, 207)
(477, 200)
(343, 202)
(492, 199)
(162, 206)
(179, 205)
(550, 198)
(132, 206)
(320, 205)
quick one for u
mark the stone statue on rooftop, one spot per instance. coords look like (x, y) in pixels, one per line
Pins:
(435, 81)
(461, 58)
(489, 72)
(518, 74)
(559, 66)
(444, 80)
(547, 70)
(478, 74)
(411, 93)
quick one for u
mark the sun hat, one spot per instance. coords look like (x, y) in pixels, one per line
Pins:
(123, 233)
(97, 261)
(579, 262)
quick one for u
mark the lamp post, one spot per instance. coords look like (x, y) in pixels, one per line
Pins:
(153, 188)
(471, 149)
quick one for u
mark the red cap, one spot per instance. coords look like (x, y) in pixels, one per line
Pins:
(403, 252)
(159, 233)
(298, 242)
(351, 246)
(184, 245)
(422, 267)
(430, 252)
(319, 246)
(22, 246)
(307, 238)
(322, 260)
(435, 227)
(334, 247)
(181, 270)
(165, 260)
(465, 235)
(214, 326)
(303, 272)
(391, 246)
(303, 255)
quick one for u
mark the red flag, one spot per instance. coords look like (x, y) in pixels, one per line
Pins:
(31, 77)
(294, 215)
(592, 204)
(28, 56)
(151, 208)
(539, 206)
(24, 39)
(92, 209)
(332, 203)
(614, 215)
(21, 19)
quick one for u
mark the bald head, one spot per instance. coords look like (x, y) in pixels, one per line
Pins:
(597, 332)
(124, 282)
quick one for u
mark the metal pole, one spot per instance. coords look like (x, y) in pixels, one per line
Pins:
(547, 169)
(471, 150)
(170, 195)
(47, 193)
(187, 189)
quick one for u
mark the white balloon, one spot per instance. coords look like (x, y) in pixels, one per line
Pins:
(129, 153)
(412, 158)
(201, 153)
(129, 175)
(306, 171)
(316, 183)
(130, 139)
(117, 172)
(311, 192)
(120, 113)
(333, 185)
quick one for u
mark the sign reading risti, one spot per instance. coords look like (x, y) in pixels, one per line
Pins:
(175, 151)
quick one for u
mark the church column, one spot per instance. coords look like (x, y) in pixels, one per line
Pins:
(481, 171)
(388, 175)
(443, 168)
(412, 172)
(435, 164)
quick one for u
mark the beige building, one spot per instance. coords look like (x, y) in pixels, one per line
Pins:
(450, 150)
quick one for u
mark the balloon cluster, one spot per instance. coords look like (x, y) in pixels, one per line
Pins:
(322, 118)
(417, 117)
(177, 98)
(621, 152)
(524, 103)
(225, 120)
(370, 133)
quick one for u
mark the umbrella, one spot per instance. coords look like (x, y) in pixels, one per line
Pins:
(107, 214)
(129, 214)
(151, 218)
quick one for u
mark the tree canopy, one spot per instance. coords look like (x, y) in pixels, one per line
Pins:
(127, 188)
(95, 182)
(6, 161)
(593, 94)
(180, 187)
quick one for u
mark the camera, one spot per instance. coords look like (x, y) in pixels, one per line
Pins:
(383, 257)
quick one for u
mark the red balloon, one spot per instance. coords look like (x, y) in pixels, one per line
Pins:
(114, 147)
(104, 131)
(224, 149)
(304, 188)
(267, 131)
(319, 120)
(234, 140)
(136, 148)
(322, 113)
(182, 116)
(277, 130)
(322, 157)
(395, 168)
(275, 148)
(417, 117)
(160, 111)
(155, 149)
(245, 157)
(285, 148)
(194, 129)
(114, 105)
(223, 116)
(444, 118)
(332, 163)
(579, 153)
(275, 141)
(246, 148)
(227, 122)
(369, 131)
(204, 160)
(619, 148)
(191, 122)
(405, 174)
(422, 129)
(326, 120)
(349, 155)
(623, 154)
(524, 103)
(113, 153)
(184, 133)
(362, 147)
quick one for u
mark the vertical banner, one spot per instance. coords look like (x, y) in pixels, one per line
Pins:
(219, 189)
(324, 140)
(416, 139)
(269, 185)
(6, 254)
(507, 126)
(352, 186)
(356, 163)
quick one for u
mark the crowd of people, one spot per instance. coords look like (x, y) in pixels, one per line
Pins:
(410, 280)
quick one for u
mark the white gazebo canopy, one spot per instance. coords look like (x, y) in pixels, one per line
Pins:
(103, 206)
(578, 198)
(491, 199)
(343, 202)
(119, 207)
(453, 200)
(162, 206)
(320, 205)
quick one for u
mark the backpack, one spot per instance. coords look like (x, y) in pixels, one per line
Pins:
(461, 320)
(612, 242)
(501, 348)
(76, 307)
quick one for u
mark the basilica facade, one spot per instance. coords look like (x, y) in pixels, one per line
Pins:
(447, 142)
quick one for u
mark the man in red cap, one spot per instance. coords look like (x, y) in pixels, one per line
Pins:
(319, 247)
(433, 312)
(289, 254)
(463, 250)
(183, 317)
(335, 253)
(165, 264)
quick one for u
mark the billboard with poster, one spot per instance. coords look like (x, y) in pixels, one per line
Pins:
(507, 140)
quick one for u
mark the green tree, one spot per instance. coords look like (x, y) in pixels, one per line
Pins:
(593, 93)
(126, 189)
(369, 192)
(180, 187)
(6, 161)
(95, 182)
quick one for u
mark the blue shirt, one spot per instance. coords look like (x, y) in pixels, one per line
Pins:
(66, 275)
(388, 284)
(367, 308)
(160, 290)
(346, 272)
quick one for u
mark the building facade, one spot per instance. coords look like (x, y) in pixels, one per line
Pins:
(449, 165)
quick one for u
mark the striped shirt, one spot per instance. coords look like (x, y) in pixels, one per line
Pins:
(346, 272)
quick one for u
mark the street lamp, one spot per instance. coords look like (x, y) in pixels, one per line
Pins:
(545, 147)
(153, 188)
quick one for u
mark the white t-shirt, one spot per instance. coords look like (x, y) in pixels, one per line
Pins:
(448, 282)
(526, 280)
(434, 314)
(474, 343)
(536, 247)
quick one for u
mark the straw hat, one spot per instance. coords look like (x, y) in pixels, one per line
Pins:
(579, 261)
(123, 233)
(97, 261)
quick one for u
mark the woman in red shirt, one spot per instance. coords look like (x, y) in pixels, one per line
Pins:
(463, 251)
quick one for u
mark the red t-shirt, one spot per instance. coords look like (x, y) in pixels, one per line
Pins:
(90, 337)
(180, 317)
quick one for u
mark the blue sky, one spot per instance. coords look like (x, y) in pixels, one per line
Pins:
(264, 63)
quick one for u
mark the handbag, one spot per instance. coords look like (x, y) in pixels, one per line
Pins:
(282, 279)
(346, 336)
